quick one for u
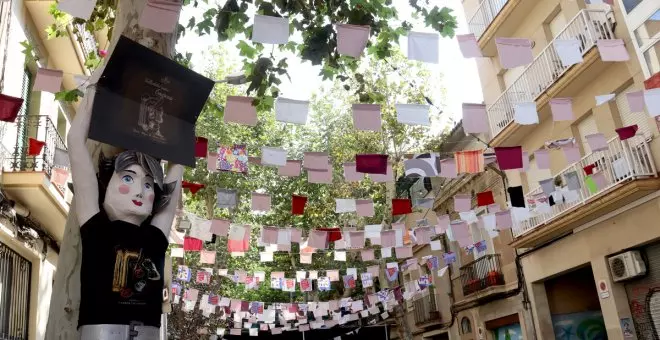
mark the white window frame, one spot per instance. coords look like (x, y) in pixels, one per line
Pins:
(634, 20)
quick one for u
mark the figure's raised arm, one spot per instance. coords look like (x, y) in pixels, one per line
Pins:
(85, 184)
(172, 186)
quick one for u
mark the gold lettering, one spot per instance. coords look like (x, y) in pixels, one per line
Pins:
(122, 268)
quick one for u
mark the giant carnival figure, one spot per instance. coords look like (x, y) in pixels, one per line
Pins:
(125, 213)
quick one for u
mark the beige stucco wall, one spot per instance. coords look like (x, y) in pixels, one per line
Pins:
(497, 309)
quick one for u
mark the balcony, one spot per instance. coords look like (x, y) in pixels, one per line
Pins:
(484, 15)
(546, 70)
(27, 179)
(482, 273)
(426, 309)
(630, 174)
(86, 40)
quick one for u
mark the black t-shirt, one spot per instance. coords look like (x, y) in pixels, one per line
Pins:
(122, 273)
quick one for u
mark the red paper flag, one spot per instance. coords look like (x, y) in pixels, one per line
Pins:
(627, 131)
(35, 146)
(201, 147)
(371, 164)
(401, 206)
(192, 244)
(485, 198)
(589, 169)
(509, 157)
(193, 187)
(298, 204)
(334, 234)
(9, 107)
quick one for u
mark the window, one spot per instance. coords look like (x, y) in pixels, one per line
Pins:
(587, 126)
(466, 326)
(629, 5)
(643, 22)
(557, 24)
(631, 118)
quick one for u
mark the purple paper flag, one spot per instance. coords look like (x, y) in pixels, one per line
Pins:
(503, 220)
(240, 110)
(316, 161)
(612, 50)
(320, 176)
(562, 109)
(350, 174)
(597, 142)
(468, 45)
(366, 117)
(449, 258)
(514, 52)
(291, 169)
(636, 101)
(48, 80)
(364, 208)
(352, 39)
(475, 118)
(462, 203)
(542, 157)
(448, 168)
(572, 153)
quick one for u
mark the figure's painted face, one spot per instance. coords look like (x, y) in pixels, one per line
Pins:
(130, 195)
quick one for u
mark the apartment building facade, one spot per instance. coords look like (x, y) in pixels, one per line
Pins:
(33, 206)
(589, 264)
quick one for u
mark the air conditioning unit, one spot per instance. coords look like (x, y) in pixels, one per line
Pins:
(626, 266)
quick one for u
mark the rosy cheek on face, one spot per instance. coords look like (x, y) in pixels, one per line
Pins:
(124, 189)
(151, 198)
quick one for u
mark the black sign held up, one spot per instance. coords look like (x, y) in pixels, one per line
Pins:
(149, 103)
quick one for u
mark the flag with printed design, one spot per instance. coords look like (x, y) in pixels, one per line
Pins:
(203, 277)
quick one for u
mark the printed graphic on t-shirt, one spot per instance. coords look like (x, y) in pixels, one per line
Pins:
(134, 276)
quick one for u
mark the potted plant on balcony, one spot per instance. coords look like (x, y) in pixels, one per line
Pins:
(492, 278)
(474, 285)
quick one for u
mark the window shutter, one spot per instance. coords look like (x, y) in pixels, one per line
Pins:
(587, 127)
(631, 118)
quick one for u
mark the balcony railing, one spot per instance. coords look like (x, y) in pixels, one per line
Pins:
(485, 14)
(39, 127)
(482, 273)
(587, 27)
(426, 308)
(622, 161)
(86, 40)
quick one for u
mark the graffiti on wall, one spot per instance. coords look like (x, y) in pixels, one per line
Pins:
(508, 332)
(579, 326)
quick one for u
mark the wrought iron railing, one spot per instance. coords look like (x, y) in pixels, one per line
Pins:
(15, 274)
(482, 273)
(485, 14)
(426, 308)
(41, 128)
(587, 27)
(621, 162)
(86, 40)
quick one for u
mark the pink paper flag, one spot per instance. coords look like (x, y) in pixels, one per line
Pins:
(316, 161)
(612, 50)
(260, 202)
(320, 176)
(461, 233)
(367, 255)
(562, 109)
(357, 239)
(462, 203)
(403, 252)
(387, 177)
(388, 238)
(365, 208)
(443, 222)
(636, 101)
(448, 168)
(207, 256)
(468, 45)
(600, 180)
(352, 39)
(597, 142)
(48, 80)
(423, 235)
(350, 174)
(291, 169)
(503, 220)
(318, 239)
(160, 15)
(220, 227)
(269, 235)
(240, 110)
(514, 52)
(525, 162)
(572, 153)
(542, 157)
(475, 118)
(366, 117)
(212, 162)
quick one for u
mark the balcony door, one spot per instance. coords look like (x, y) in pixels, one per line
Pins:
(643, 21)
(20, 151)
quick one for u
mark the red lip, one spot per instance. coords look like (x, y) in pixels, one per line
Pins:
(138, 203)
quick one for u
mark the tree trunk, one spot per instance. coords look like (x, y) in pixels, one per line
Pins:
(65, 301)
(401, 319)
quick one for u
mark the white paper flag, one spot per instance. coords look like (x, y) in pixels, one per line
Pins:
(526, 114)
(343, 205)
(291, 111)
(652, 101)
(413, 114)
(176, 252)
(270, 30)
(273, 156)
(77, 8)
(340, 256)
(385, 252)
(569, 51)
(602, 99)
(266, 257)
(424, 47)
(436, 245)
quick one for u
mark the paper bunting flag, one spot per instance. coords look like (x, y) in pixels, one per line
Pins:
(159, 15)
(320, 176)
(542, 158)
(193, 187)
(422, 165)
(298, 204)
(349, 281)
(612, 50)
(485, 198)
(371, 163)
(59, 176)
(568, 51)
(240, 110)
(176, 252)
(509, 157)
(291, 111)
(260, 202)
(383, 178)
(471, 161)
(48, 80)
(403, 252)
(366, 117)
(192, 244)
(424, 47)
(343, 205)
(514, 52)
(462, 203)
(526, 114)
(291, 169)
(503, 220)
(316, 161)
(219, 227)
(227, 199)
(392, 273)
(572, 153)
(367, 255)
(449, 257)
(270, 30)
(9, 108)
(604, 98)
(635, 101)
(273, 156)
(289, 285)
(233, 158)
(597, 142)
(367, 280)
(183, 274)
(475, 118)
(401, 206)
(413, 114)
(340, 256)
(34, 146)
(652, 101)
(627, 132)
(318, 239)
(448, 168)
(305, 285)
(548, 186)
(562, 109)
(352, 39)
(350, 173)
(265, 257)
(77, 8)
(468, 45)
